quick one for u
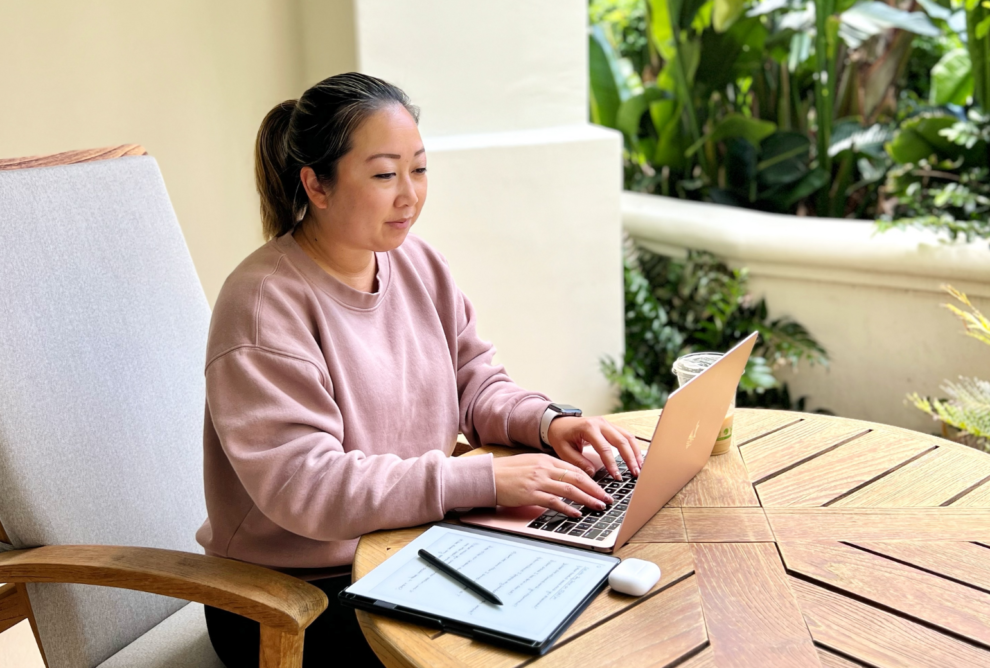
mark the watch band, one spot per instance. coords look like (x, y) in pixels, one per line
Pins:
(553, 412)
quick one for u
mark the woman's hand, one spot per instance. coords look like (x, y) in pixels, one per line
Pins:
(569, 435)
(540, 480)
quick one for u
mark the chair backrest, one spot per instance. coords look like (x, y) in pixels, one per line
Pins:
(103, 326)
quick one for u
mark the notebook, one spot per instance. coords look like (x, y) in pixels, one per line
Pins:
(543, 587)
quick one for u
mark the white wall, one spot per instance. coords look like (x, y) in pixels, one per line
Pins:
(188, 80)
(524, 193)
(873, 300)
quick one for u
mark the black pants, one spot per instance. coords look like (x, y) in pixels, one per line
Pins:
(333, 639)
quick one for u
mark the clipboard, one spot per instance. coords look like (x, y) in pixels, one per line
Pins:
(544, 586)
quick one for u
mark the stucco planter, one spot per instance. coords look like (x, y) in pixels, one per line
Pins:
(871, 299)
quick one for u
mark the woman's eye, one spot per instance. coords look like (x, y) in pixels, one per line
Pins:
(385, 177)
(421, 170)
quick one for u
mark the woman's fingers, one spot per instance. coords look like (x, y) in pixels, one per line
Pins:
(594, 436)
(633, 441)
(573, 456)
(626, 444)
(575, 493)
(561, 485)
(554, 503)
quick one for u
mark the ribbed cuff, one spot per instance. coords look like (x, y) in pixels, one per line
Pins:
(468, 482)
(524, 421)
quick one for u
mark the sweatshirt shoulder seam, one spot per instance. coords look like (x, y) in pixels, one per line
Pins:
(261, 299)
(271, 351)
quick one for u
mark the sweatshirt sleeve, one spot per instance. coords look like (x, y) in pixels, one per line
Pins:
(493, 409)
(282, 432)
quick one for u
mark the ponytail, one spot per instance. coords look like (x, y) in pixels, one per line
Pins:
(314, 131)
(271, 169)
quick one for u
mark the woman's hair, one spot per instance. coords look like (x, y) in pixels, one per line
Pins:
(313, 131)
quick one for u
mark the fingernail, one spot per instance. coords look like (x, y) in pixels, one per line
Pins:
(601, 506)
(590, 472)
(611, 500)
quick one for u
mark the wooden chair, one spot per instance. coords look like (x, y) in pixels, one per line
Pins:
(103, 327)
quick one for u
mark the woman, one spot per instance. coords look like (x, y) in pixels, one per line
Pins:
(342, 363)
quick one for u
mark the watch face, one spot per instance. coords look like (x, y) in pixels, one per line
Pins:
(567, 409)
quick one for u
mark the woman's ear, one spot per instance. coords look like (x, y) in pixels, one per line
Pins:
(318, 195)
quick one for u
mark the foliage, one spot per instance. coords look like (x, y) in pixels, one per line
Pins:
(968, 405)
(678, 306)
(787, 105)
(941, 180)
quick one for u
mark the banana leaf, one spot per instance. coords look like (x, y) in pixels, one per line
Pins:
(952, 79)
(604, 90)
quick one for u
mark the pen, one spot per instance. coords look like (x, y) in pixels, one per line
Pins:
(447, 569)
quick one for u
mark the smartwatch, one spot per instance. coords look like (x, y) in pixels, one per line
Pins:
(554, 411)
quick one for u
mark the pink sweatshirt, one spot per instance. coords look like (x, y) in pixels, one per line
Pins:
(331, 412)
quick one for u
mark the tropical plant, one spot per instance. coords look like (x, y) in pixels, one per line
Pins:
(736, 101)
(967, 407)
(678, 306)
(941, 179)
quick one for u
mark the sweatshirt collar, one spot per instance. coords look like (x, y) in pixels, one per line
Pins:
(335, 289)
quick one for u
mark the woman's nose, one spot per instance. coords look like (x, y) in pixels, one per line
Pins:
(407, 193)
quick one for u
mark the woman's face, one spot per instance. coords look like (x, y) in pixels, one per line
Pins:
(380, 188)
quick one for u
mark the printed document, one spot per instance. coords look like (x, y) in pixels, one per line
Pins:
(539, 586)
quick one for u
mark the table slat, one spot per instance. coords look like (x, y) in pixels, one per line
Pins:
(830, 660)
(675, 562)
(966, 562)
(750, 611)
(915, 593)
(931, 480)
(825, 478)
(703, 659)
(642, 424)
(750, 424)
(418, 649)
(636, 639)
(667, 526)
(726, 525)
(797, 443)
(723, 483)
(878, 638)
(978, 497)
(855, 524)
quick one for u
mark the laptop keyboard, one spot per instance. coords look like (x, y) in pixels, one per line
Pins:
(594, 524)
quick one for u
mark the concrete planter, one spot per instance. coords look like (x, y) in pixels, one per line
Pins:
(871, 299)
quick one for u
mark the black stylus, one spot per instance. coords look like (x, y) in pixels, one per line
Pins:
(446, 568)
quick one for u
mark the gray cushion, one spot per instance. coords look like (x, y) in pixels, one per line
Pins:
(179, 641)
(102, 345)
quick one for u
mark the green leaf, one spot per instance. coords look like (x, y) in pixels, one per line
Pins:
(919, 139)
(868, 19)
(689, 12)
(983, 28)
(809, 184)
(935, 10)
(737, 126)
(733, 54)
(849, 135)
(952, 79)
(671, 137)
(726, 13)
(783, 159)
(604, 91)
(632, 110)
(662, 24)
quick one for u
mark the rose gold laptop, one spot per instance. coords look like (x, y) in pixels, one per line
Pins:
(681, 445)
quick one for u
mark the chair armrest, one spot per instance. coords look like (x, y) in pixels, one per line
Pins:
(268, 597)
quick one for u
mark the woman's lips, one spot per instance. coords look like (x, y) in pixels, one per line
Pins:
(399, 224)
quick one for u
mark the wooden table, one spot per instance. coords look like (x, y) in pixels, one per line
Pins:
(815, 541)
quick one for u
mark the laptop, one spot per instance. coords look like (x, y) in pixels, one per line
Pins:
(681, 445)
